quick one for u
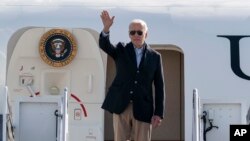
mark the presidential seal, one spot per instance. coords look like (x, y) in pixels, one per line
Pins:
(57, 47)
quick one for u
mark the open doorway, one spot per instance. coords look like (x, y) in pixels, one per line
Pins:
(172, 128)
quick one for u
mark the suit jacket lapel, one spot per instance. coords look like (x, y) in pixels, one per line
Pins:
(132, 55)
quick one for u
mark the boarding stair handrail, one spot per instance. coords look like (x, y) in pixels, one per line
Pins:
(196, 132)
(8, 128)
(3, 112)
(63, 132)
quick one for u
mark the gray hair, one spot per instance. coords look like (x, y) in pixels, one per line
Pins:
(143, 23)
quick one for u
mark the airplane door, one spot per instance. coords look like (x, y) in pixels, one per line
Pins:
(173, 126)
(42, 62)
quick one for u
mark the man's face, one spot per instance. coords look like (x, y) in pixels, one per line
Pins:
(137, 34)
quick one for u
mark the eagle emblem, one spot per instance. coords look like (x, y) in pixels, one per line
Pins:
(57, 47)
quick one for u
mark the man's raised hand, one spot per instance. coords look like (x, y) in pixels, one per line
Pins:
(106, 20)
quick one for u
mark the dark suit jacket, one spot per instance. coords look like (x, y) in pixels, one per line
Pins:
(132, 83)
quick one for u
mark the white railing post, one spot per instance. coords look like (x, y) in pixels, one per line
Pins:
(64, 117)
(196, 116)
(3, 112)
